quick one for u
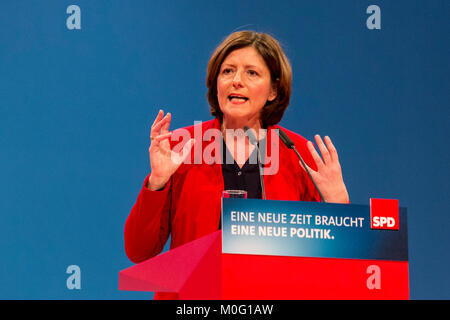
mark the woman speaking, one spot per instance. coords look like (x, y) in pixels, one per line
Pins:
(249, 85)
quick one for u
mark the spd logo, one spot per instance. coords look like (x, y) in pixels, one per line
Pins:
(384, 214)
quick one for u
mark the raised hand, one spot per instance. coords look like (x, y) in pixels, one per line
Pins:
(328, 176)
(163, 161)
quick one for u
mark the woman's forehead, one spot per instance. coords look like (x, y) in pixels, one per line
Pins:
(248, 56)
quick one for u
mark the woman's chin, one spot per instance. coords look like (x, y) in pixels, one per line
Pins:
(236, 115)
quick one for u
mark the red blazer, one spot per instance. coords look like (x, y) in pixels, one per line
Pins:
(189, 205)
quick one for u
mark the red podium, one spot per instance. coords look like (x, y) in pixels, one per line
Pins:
(199, 270)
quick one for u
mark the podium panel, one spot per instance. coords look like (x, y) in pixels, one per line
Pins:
(292, 278)
(291, 268)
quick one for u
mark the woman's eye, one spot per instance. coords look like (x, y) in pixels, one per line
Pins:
(252, 72)
(227, 71)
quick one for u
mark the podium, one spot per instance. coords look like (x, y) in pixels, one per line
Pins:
(210, 269)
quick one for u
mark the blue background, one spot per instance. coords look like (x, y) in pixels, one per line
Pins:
(76, 107)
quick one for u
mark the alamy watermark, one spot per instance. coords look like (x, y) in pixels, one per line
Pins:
(73, 22)
(74, 280)
(373, 22)
(209, 148)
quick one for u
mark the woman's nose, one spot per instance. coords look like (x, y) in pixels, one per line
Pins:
(237, 80)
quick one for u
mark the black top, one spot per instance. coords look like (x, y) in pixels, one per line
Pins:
(245, 178)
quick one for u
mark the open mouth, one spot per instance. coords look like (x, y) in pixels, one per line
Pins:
(237, 98)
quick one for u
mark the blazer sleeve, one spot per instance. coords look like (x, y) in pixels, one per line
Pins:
(147, 227)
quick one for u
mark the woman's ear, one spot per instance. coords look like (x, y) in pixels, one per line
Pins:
(273, 92)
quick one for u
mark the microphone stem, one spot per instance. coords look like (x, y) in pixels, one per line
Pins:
(307, 171)
(261, 173)
(254, 141)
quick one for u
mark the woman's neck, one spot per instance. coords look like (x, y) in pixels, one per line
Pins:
(236, 140)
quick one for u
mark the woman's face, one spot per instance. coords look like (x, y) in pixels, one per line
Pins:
(244, 85)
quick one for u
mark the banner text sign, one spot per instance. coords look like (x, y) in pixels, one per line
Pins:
(309, 229)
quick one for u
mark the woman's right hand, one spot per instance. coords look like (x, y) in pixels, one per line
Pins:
(163, 161)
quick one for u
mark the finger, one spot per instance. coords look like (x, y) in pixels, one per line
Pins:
(316, 157)
(160, 141)
(158, 118)
(323, 149)
(331, 149)
(166, 125)
(161, 136)
(313, 175)
(157, 127)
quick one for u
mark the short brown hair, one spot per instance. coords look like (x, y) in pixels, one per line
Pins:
(275, 59)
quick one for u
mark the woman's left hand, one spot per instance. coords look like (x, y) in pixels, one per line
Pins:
(328, 176)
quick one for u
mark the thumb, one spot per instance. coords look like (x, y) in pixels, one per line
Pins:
(307, 169)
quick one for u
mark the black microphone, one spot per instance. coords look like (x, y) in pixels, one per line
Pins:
(252, 138)
(288, 143)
